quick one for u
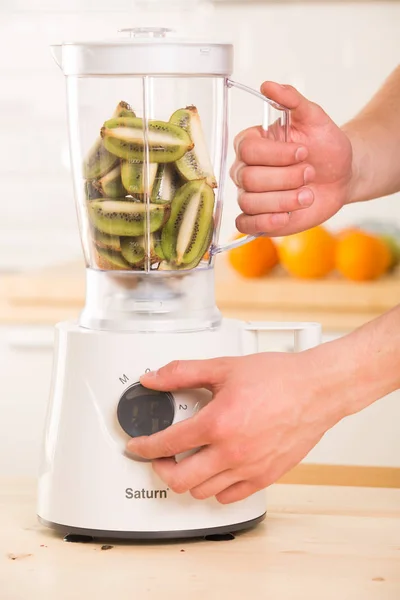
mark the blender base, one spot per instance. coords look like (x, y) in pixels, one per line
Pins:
(88, 484)
(92, 534)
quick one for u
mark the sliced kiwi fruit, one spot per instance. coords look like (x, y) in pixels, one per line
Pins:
(188, 225)
(125, 218)
(195, 164)
(110, 260)
(125, 137)
(167, 183)
(91, 192)
(99, 160)
(171, 266)
(133, 175)
(110, 185)
(105, 241)
(134, 249)
(158, 251)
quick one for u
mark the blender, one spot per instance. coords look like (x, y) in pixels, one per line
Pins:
(148, 131)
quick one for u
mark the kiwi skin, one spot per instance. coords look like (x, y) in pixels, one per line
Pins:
(108, 260)
(125, 218)
(173, 233)
(172, 266)
(106, 241)
(196, 163)
(99, 161)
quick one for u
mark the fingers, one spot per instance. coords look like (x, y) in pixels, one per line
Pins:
(275, 202)
(238, 491)
(189, 472)
(188, 374)
(215, 485)
(254, 150)
(268, 223)
(271, 179)
(302, 109)
(181, 437)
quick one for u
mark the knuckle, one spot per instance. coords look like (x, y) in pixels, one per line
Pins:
(218, 428)
(173, 368)
(247, 178)
(261, 223)
(247, 150)
(237, 140)
(199, 493)
(224, 499)
(168, 448)
(235, 455)
(243, 202)
(179, 486)
(287, 203)
(244, 224)
(233, 170)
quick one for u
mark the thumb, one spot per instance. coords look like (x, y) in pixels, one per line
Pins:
(302, 109)
(185, 374)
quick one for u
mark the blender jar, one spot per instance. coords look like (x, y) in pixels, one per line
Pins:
(148, 126)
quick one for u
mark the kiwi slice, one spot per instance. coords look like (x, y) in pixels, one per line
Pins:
(125, 137)
(91, 192)
(166, 184)
(134, 249)
(105, 241)
(171, 266)
(195, 164)
(110, 185)
(99, 160)
(133, 175)
(158, 251)
(109, 260)
(124, 218)
(189, 223)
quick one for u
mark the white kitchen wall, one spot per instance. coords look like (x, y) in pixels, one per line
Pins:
(336, 53)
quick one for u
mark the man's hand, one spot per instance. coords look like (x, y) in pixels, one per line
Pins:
(268, 411)
(310, 176)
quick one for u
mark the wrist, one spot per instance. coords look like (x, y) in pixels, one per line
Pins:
(361, 367)
(359, 181)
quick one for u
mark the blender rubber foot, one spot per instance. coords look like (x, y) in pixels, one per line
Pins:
(219, 537)
(78, 539)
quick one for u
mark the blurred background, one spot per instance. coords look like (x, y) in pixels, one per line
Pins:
(336, 53)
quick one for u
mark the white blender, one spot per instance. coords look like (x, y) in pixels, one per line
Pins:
(148, 125)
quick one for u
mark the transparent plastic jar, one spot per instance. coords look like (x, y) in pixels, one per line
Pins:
(148, 124)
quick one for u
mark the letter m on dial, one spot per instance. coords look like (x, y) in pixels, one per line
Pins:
(124, 379)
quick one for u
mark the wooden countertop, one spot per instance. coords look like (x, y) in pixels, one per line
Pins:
(50, 295)
(316, 543)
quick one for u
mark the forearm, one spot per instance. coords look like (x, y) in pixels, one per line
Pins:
(375, 137)
(362, 367)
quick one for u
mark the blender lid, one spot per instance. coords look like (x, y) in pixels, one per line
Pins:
(145, 51)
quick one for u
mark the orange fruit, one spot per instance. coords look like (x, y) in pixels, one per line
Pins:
(254, 259)
(309, 254)
(361, 256)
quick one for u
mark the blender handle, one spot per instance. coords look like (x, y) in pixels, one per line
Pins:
(306, 335)
(286, 123)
